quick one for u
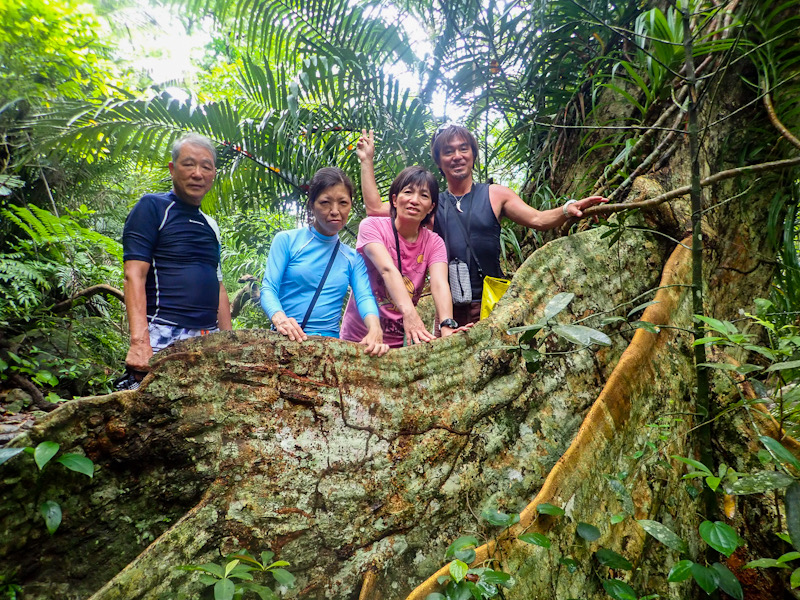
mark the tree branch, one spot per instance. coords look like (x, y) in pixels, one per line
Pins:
(101, 288)
(773, 117)
(607, 209)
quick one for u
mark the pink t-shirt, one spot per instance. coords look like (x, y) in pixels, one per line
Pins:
(414, 258)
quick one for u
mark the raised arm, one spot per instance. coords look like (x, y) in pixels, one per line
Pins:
(415, 329)
(513, 207)
(365, 151)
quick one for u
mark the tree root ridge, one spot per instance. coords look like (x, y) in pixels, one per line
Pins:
(609, 414)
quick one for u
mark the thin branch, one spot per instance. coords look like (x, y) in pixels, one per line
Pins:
(773, 117)
(100, 288)
(607, 209)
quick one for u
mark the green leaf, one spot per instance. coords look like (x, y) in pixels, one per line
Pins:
(44, 452)
(788, 556)
(694, 463)
(791, 502)
(780, 451)
(764, 563)
(727, 581)
(794, 579)
(588, 532)
(537, 539)
(619, 590)
(557, 303)
(496, 577)
(463, 548)
(77, 463)
(664, 535)
(549, 509)
(792, 364)
(499, 519)
(636, 309)
(613, 560)
(760, 482)
(230, 567)
(51, 511)
(680, 571)
(720, 536)
(458, 570)
(283, 577)
(224, 590)
(7, 453)
(435, 596)
(647, 326)
(617, 518)
(568, 562)
(747, 368)
(720, 366)
(583, 336)
(713, 483)
(705, 577)
(266, 556)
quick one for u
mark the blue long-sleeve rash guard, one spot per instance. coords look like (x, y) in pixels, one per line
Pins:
(294, 268)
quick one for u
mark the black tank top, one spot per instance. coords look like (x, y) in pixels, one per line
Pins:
(482, 227)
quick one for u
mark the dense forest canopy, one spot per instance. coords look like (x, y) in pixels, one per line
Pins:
(685, 114)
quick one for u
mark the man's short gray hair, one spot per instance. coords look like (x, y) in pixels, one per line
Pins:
(196, 140)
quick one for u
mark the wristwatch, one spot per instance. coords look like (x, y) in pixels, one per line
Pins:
(451, 323)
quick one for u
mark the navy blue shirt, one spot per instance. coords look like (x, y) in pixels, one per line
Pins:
(182, 245)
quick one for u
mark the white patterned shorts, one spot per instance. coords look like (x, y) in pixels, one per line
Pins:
(162, 336)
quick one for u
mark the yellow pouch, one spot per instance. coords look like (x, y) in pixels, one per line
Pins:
(493, 290)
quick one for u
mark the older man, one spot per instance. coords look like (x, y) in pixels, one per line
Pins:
(468, 215)
(173, 280)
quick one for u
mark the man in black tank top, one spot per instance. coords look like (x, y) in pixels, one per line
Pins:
(469, 211)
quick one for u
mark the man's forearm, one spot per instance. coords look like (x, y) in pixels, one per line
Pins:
(140, 350)
(224, 312)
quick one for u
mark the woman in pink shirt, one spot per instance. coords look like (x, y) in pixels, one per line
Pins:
(397, 285)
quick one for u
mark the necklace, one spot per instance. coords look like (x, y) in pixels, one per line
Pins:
(460, 198)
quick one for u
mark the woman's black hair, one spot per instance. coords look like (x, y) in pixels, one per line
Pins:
(326, 177)
(416, 177)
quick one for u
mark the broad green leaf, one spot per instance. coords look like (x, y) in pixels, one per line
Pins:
(647, 326)
(613, 560)
(617, 518)
(747, 368)
(496, 577)
(713, 483)
(694, 463)
(264, 593)
(230, 567)
(792, 503)
(537, 539)
(463, 548)
(723, 327)
(568, 562)
(706, 578)
(51, 511)
(266, 556)
(780, 451)
(792, 364)
(789, 556)
(588, 532)
(794, 579)
(458, 569)
(283, 577)
(764, 563)
(499, 519)
(278, 563)
(619, 590)
(760, 482)
(435, 596)
(583, 336)
(44, 452)
(720, 536)
(680, 571)
(7, 453)
(549, 509)
(720, 366)
(664, 535)
(727, 581)
(224, 590)
(77, 463)
(557, 303)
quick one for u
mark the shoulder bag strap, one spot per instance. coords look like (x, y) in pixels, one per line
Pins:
(397, 245)
(457, 219)
(321, 285)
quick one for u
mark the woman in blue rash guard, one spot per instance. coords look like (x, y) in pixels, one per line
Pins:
(298, 260)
